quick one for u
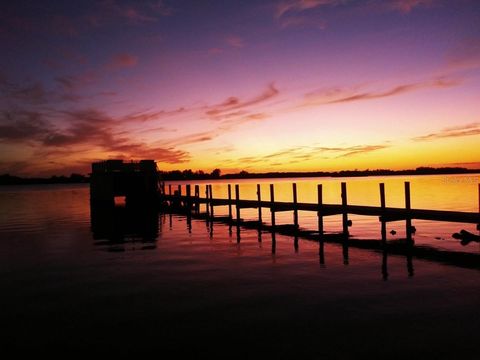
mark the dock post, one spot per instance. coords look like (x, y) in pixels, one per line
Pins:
(478, 225)
(237, 208)
(197, 196)
(211, 202)
(179, 196)
(188, 190)
(344, 207)
(259, 198)
(207, 206)
(169, 189)
(295, 207)
(408, 222)
(382, 217)
(230, 202)
(320, 223)
(272, 205)
(189, 207)
(237, 203)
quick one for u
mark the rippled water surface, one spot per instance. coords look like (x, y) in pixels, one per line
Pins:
(125, 281)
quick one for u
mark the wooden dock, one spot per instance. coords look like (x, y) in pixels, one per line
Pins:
(188, 202)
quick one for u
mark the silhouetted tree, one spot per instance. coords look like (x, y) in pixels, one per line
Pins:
(215, 174)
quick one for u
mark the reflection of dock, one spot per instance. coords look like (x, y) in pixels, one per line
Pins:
(118, 228)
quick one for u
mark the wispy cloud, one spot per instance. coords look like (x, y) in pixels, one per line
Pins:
(299, 154)
(134, 12)
(465, 55)
(234, 103)
(406, 6)
(338, 95)
(452, 132)
(294, 6)
(235, 41)
(295, 21)
(120, 61)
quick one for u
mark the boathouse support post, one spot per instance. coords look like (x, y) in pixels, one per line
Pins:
(344, 209)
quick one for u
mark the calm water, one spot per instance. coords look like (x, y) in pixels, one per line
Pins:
(125, 282)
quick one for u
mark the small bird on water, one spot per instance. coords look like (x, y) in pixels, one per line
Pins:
(393, 232)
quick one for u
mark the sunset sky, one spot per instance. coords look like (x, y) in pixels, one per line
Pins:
(300, 85)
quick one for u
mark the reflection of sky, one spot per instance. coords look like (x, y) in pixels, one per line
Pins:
(268, 86)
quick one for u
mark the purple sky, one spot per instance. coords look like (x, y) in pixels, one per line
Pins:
(256, 85)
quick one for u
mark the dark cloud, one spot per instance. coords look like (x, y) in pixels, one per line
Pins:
(22, 125)
(452, 132)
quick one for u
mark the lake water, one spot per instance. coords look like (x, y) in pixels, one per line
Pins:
(125, 282)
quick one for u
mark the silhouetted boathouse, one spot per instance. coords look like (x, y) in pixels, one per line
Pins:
(137, 182)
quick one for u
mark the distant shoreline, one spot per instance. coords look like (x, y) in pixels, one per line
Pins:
(177, 175)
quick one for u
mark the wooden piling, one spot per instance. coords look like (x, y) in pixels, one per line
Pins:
(230, 202)
(320, 210)
(478, 225)
(169, 189)
(207, 206)
(197, 198)
(272, 204)
(237, 203)
(189, 199)
(295, 206)
(344, 209)
(259, 198)
(211, 202)
(408, 222)
(382, 220)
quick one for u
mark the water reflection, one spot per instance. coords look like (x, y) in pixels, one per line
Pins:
(120, 228)
(404, 248)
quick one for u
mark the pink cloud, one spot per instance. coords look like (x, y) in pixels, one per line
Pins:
(120, 61)
(235, 41)
(340, 95)
(301, 5)
(405, 6)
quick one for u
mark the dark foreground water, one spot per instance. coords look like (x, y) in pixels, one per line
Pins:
(141, 281)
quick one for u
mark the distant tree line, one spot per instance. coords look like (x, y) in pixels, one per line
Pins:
(216, 174)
